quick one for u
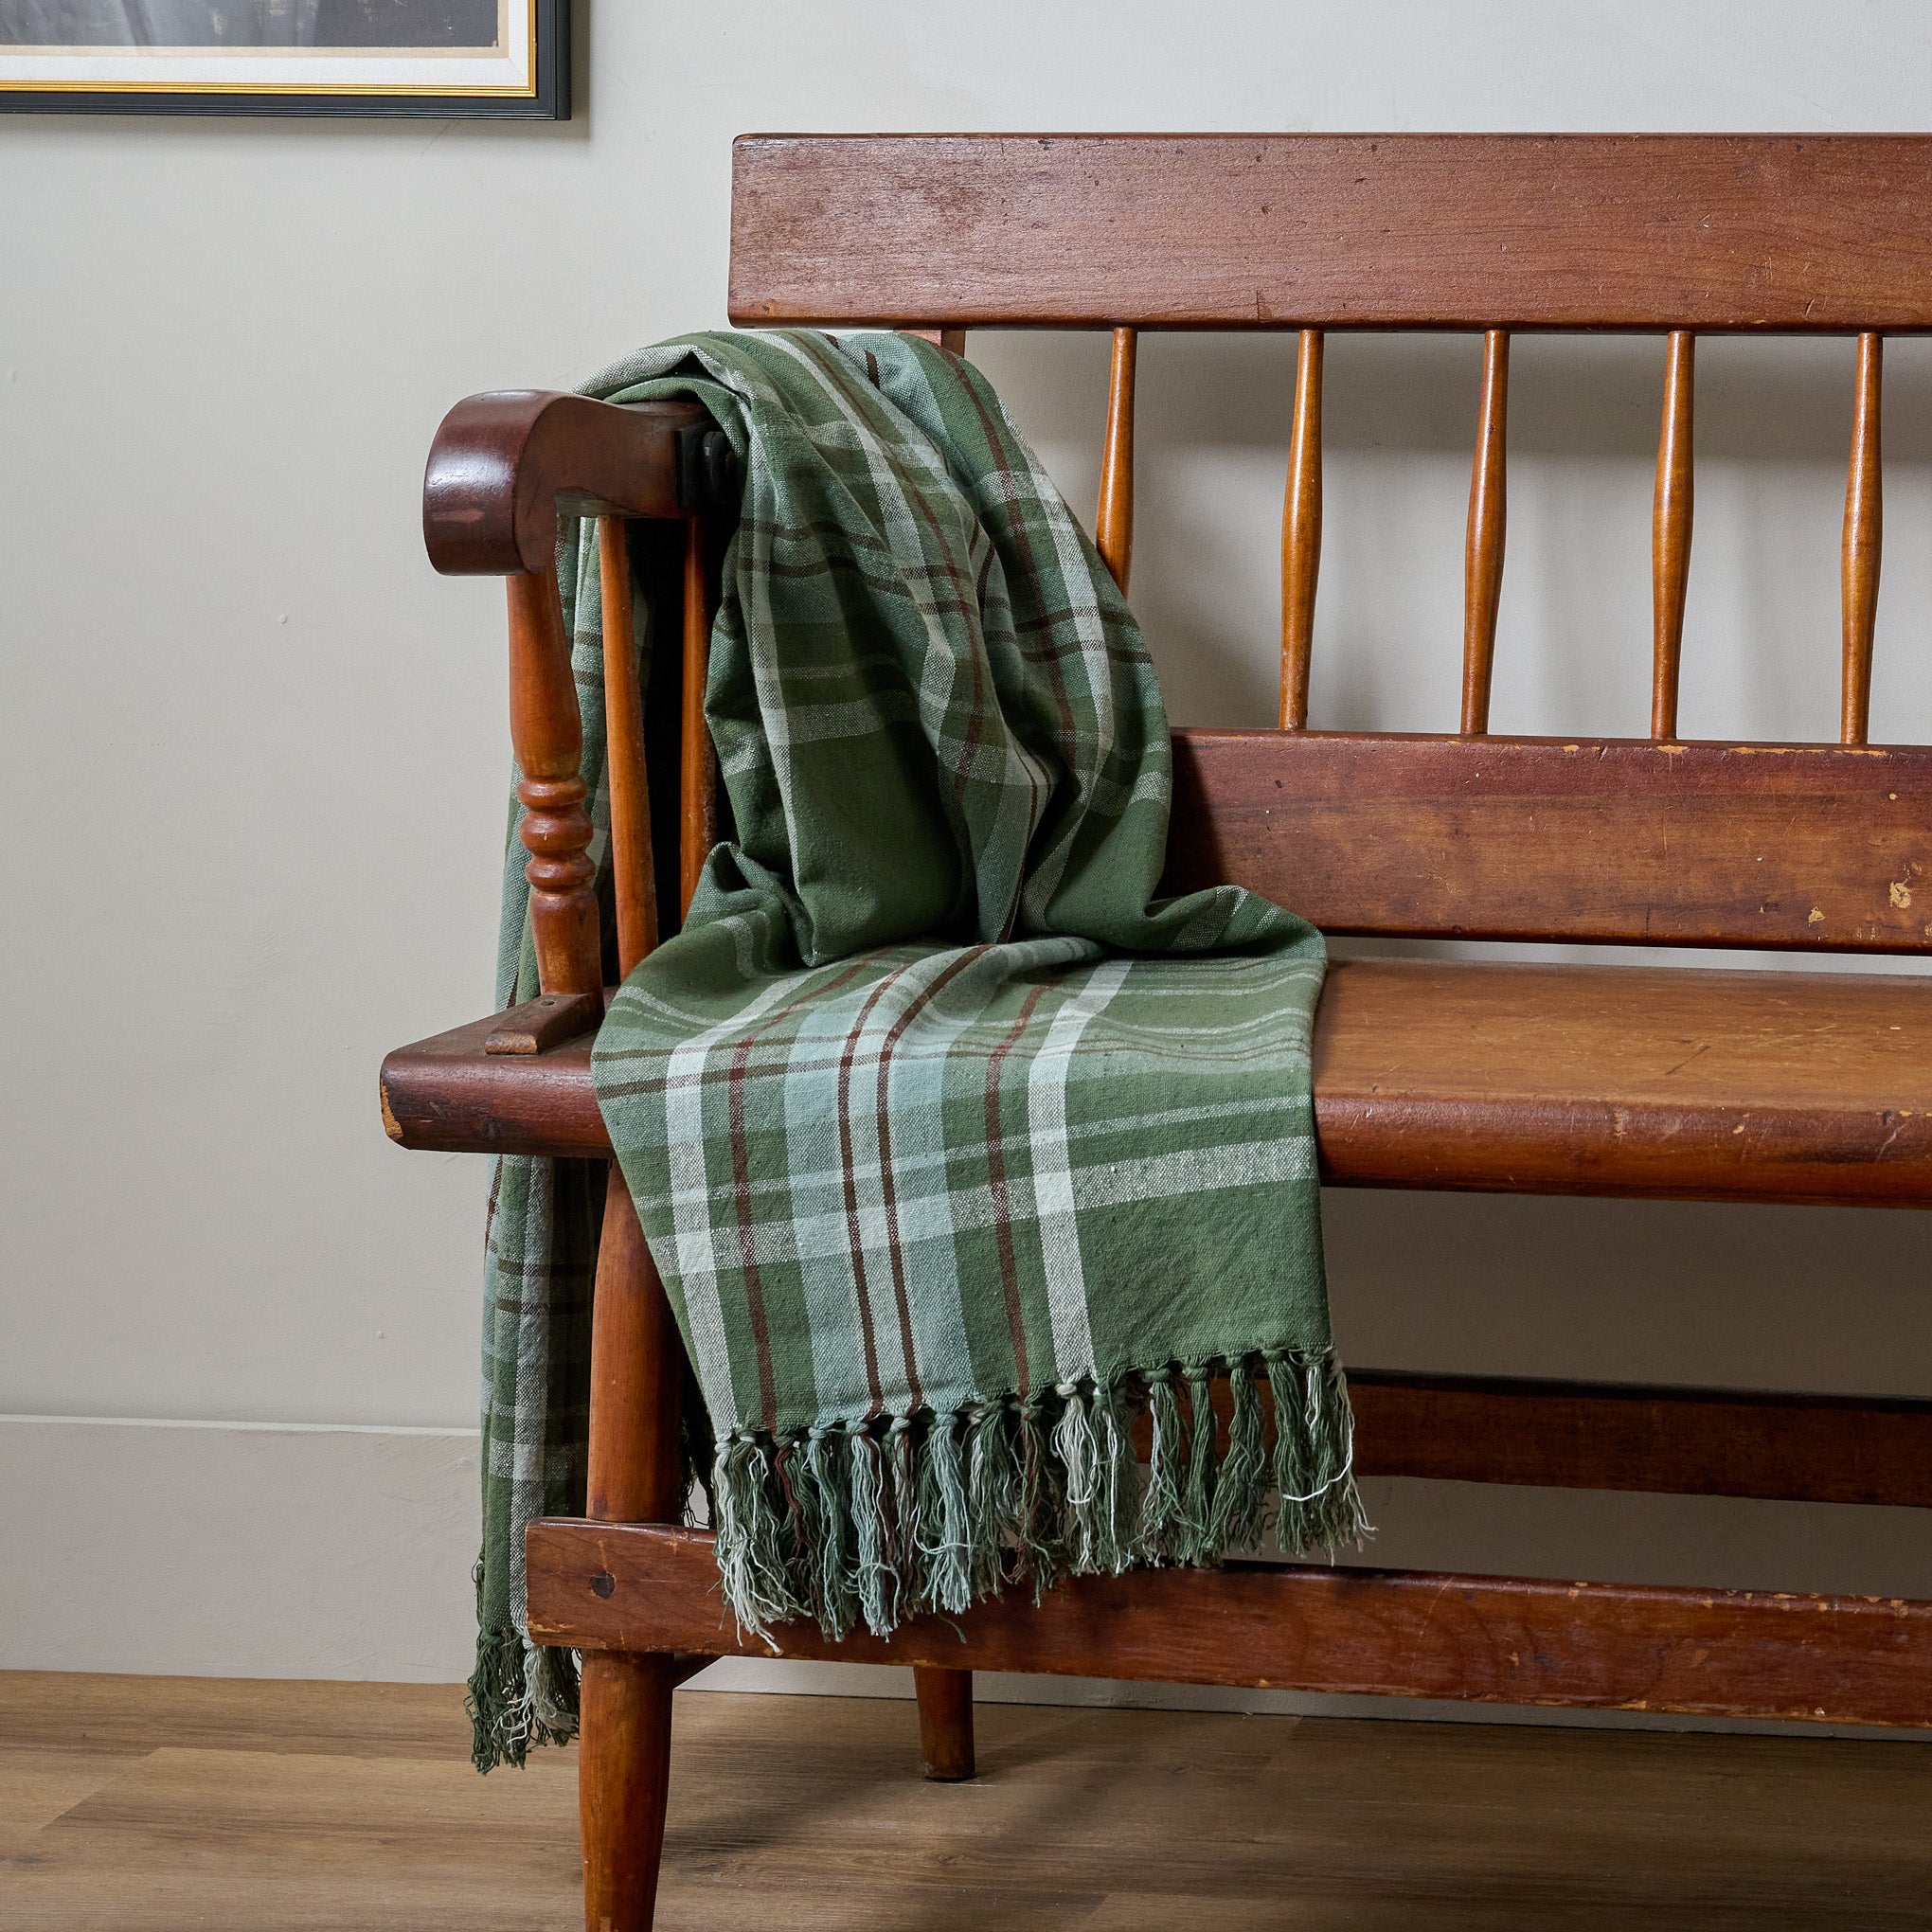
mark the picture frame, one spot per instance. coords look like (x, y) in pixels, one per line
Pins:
(502, 59)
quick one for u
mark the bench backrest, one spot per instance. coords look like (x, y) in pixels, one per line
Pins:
(1664, 841)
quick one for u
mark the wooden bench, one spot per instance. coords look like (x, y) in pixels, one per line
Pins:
(1701, 1084)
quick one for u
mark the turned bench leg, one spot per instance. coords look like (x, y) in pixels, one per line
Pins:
(946, 1721)
(623, 1775)
(623, 1770)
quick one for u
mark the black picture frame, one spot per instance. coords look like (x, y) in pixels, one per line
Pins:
(549, 101)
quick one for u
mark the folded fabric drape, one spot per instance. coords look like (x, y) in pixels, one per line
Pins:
(955, 1145)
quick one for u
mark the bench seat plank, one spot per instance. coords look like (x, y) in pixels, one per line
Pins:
(1660, 1081)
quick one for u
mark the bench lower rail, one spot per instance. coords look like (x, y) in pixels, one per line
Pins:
(1303, 1627)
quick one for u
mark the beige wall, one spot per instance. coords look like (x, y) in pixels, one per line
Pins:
(255, 751)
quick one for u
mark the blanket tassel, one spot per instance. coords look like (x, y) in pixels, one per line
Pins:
(874, 1521)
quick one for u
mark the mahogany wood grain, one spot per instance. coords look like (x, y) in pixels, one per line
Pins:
(637, 1370)
(636, 1367)
(1801, 232)
(448, 1094)
(698, 766)
(1114, 518)
(1546, 1080)
(1656, 1082)
(636, 1376)
(1808, 846)
(945, 1723)
(504, 463)
(535, 1026)
(1483, 563)
(623, 1781)
(1863, 531)
(1671, 531)
(1381, 1633)
(547, 734)
(1774, 1446)
(1301, 532)
(632, 867)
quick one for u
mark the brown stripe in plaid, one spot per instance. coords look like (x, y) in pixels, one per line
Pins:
(948, 766)
(997, 1179)
(895, 1252)
(855, 1241)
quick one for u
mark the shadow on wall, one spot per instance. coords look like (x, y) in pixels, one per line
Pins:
(1764, 398)
(1821, 1298)
(1573, 647)
(1824, 1299)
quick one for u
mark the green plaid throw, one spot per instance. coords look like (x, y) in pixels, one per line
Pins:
(957, 1147)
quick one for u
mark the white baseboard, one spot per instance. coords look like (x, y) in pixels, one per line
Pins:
(235, 1549)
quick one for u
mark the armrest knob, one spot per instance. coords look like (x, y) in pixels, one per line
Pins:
(503, 464)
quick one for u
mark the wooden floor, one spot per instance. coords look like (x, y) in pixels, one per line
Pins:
(144, 1803)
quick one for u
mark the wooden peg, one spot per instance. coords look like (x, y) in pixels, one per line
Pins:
(1301, 533)
(1671, 532)
(538, 1024)
(1114, 518)
(1863, 530)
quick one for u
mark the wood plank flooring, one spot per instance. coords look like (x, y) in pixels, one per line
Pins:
(159, 1804)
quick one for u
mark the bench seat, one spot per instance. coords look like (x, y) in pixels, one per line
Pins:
(1660, 1081)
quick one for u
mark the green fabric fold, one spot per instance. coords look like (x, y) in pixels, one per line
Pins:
(964, 1154)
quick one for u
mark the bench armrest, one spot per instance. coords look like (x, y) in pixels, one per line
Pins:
(503, 467)
(506, 463)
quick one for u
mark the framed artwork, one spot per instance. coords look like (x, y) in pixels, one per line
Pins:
(509, 57)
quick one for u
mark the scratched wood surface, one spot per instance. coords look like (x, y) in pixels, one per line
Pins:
(148, 1804)
(1564, 1079)
(1810, 846)
(1230, 231)
(642, 1586)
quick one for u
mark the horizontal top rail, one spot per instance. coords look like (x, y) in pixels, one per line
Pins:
(1795, 233)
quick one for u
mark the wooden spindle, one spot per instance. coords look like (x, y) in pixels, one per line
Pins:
(1301, 533)
(634, 1464)
(1482, 557)
(698, 773)
(546, 731)
(952, 340)
(633, 882)
(636, 1370)
(1114, 518)
(1863, 530)
(1671, 532)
